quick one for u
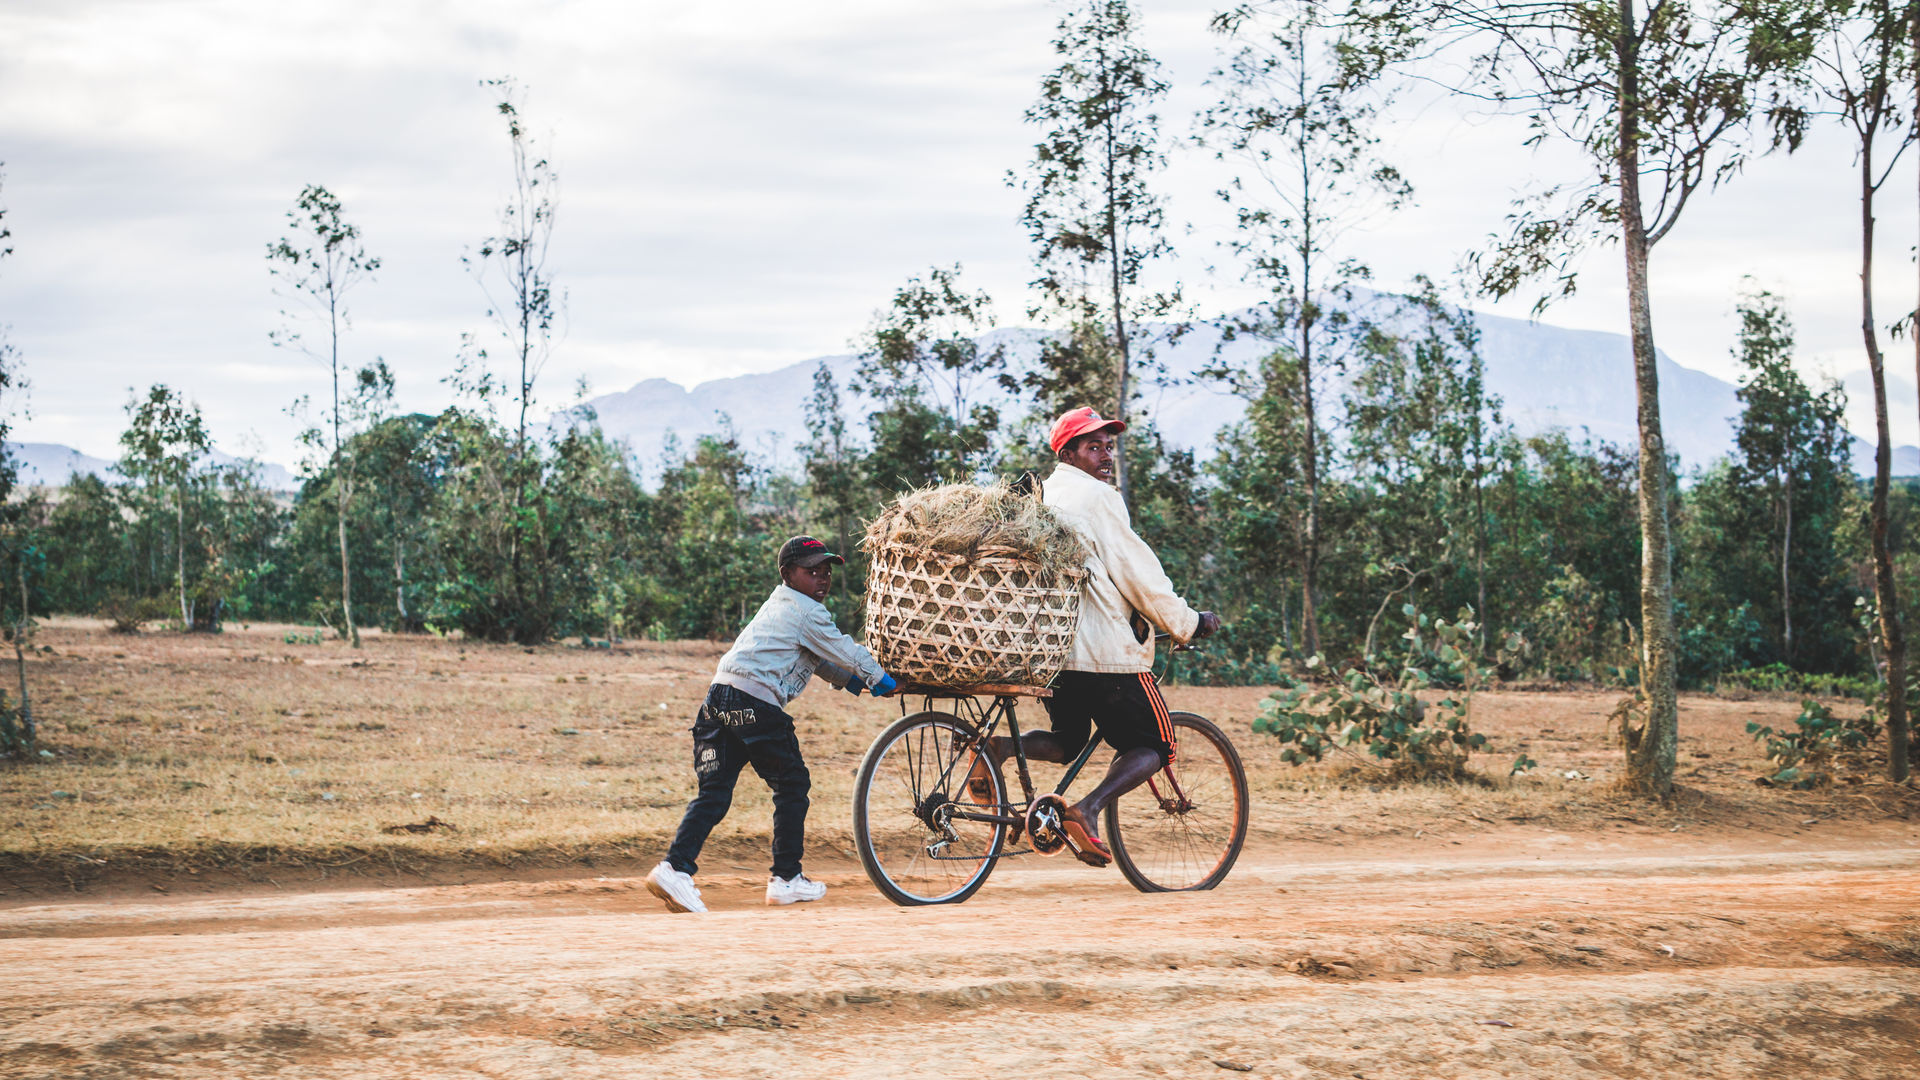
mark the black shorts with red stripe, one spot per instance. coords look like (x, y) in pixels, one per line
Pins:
(1128, 710)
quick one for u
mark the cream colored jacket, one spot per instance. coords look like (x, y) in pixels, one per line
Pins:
(1123, 577)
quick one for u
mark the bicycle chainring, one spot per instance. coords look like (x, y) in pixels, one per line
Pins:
(1043, 824)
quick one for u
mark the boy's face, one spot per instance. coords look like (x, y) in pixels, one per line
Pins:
(812, 580)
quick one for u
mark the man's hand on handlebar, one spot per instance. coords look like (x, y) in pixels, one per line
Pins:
(1209, 625)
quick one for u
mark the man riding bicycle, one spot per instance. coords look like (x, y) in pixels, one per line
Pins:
(1108, 679)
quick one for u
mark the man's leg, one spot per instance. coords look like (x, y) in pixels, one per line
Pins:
(1072, 722)
(1134, 718)
(1070, 715)
(1128, 771)
(1038, 746)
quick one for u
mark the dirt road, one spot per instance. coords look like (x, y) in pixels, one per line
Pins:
(1525, 955)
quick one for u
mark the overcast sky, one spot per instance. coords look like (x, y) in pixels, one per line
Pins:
(742, 185)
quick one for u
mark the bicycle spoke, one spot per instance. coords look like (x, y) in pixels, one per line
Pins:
(914, 849)
(1164, 847)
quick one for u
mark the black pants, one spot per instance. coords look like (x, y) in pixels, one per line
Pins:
(734, 730)
(1128, 710)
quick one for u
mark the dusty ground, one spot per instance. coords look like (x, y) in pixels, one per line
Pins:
(193, 906)
(1531, 954)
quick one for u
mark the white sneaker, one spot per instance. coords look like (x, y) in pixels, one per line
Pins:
(675, 888)
(797, 889)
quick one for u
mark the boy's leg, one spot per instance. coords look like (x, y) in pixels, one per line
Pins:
(718, 758)
(774, 750)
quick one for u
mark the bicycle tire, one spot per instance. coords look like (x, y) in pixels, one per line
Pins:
(897, 819)
(1161, 847)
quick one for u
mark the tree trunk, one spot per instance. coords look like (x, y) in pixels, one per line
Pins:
(1479, 522)
(1892, 639)
(28, 737)
(400, 583)
(180, 554)
(1119, 317)
(1650, 750)
(1286, 623)
(346, 571)
(1899, 739)
(1786, 580)
(1305, 317)
(342, 478)
(1480, 576)
(1310, 540)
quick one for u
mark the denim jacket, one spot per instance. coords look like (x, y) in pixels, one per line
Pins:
(791, 639)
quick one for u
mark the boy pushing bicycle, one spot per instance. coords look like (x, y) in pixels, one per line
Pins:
(790, 640)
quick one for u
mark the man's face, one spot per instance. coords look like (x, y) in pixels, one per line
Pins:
(1093, 454)
(812, 580)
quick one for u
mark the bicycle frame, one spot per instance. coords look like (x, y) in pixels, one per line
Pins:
(985, 721)
(1180, 831)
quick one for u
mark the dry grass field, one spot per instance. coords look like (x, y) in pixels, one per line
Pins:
(204, 760)
(202, 884)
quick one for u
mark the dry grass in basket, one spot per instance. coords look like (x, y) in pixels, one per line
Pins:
(965, 519)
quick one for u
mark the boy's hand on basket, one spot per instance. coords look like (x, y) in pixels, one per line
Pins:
(886, 686)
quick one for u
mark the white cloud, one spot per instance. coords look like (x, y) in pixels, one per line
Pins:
(742, 185)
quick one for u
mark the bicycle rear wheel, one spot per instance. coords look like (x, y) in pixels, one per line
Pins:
(1182, 829)
(909, 786)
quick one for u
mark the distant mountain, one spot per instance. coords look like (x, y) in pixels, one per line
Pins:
(1547, 377)
(53, 465)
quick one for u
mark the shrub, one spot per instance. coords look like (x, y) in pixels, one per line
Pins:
(1806, 755)
(1781, 678)
(1573, 638)
(1379, 721)
(126, 613)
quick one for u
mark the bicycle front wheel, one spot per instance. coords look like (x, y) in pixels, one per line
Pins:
(910, 788)
(1181, 830)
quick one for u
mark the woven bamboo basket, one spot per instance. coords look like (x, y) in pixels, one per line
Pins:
(953, 622)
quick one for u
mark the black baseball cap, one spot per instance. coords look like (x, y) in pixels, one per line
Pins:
(806, 551)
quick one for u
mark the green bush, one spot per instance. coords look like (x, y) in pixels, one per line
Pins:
(1379, 721)
(126, 613)
(1781, 678)
(1573, 638)
(1806, 755)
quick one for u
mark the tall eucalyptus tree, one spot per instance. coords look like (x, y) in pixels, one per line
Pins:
(1863, 54)
(1660, 96)
(1090, 210)
(511, 269)
(1299, 96)
(318, 264)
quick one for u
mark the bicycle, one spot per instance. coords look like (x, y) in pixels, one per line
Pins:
(924, 840)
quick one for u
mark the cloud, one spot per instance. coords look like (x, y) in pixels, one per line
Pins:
(742, 185)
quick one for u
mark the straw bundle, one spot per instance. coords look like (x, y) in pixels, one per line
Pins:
(966, 519)
(972, 585)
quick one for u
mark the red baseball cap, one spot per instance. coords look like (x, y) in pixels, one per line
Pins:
(1077, 422)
